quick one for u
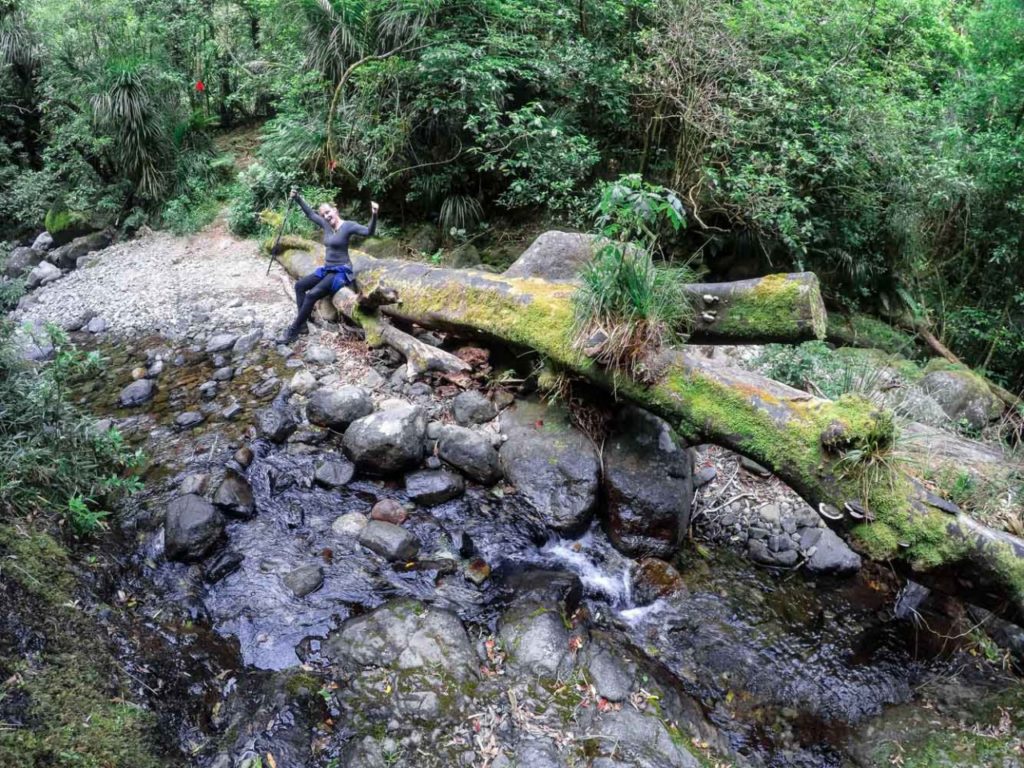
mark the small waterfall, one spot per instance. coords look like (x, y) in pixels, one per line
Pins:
(602, 569)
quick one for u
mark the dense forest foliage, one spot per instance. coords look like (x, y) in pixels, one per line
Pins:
(876, 142)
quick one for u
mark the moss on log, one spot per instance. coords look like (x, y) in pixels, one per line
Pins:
(808, 442)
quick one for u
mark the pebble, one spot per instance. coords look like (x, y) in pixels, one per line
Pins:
(188, 419)
(208, 389)
(389, 511)
(231, 411)
(225, 373)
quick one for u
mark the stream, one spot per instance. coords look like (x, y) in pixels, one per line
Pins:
(787, 670)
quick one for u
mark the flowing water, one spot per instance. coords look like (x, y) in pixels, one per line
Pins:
(786, 668)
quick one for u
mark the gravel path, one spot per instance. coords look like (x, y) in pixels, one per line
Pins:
(178, 287)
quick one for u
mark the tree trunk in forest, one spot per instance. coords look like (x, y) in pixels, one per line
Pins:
(830, 452)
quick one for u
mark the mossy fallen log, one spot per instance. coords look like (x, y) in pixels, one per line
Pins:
(830, 452)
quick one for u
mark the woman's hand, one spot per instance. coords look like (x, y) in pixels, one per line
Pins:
(374, 207)
(293, 193)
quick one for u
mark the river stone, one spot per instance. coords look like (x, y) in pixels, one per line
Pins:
(247, 342)
(333, 472)
(553, 466)
(429, 487)
(389, 441)
(832, 555)
(613, 677)
(540, 586)
(138, 392)
(654, 578)
(390, 511)
(22, 259)
(223, 564)
(703, 476)
(192, 528)
(350, 524)
(536, 640)
(477, 571)
(221, 342)
(188, 419)
(404, 635)
(244, 456)
(962, 395)
(302, 382)
(234, 497)
(537, 753)
(639, 738)
(208, 390)
(389, 541)
(42, 274)
(648, 484)
(304, 580)
(96, 325)
(336, 408)
(470, 452)
(43, 242)
(276, 423)
(318, 355)
(473, 407)
(223, 374)
(554, 256)
(67, 256)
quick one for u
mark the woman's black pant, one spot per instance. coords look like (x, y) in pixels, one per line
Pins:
(308, 291)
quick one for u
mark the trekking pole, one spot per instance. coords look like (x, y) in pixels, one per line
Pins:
(280, 231)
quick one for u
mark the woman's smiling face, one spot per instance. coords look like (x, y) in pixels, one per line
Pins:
(330, 214)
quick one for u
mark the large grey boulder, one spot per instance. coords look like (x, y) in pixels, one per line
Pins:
(137, 393)
(336, 408)
(536, 640)
(554, 256)
(404, 635)
(830, 554)
(433, 486)
(470, 452)
(390, 541)
(192, 528)
(43, 242)
(67, 256)
(473, 407)
(42, 274)
(276, 423)
(20, 260)
(389, 441)
(648, 484)
(962, 395)
(553, 465)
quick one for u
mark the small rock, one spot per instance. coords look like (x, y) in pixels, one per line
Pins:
(244, 456)
(224, 564)
(43, 242)
(654, 578)
(477, 571)
(389, 541)
(304, 580)
(192, 528)
(420, 389)
(194, 484)
(473, 407)
(302, 382)
(390, 511)
(463, 544)
(276, 424)
(703, 476)
(351, 524)
(230, 412)
(430, 487)
(96, 325)
(318, 355)
(138, 373)
(137, 393)
(208, 390)
(42, 274)
(334, 472)
(469, 452)
(221, 342)
(266, 387)
(234, 496)
(247, 342)
(155, 369)
(371, 379)
(223, 374)
(188, 419)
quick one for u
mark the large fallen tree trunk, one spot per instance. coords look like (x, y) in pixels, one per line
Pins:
(830, 452)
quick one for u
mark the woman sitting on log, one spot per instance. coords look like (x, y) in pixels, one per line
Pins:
(337, 270)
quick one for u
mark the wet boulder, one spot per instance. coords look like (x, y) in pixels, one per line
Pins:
(67, 256)
(404, 635)
(648, 484)
(333, 472)
(653, 578)
(390, 511)
(304, 580)
(473, 407)
(829, 554)
(628, 737)
(137, 393)
(433, 486)
(222, 565)
(613, 675)
(553, 465)
(536, 640)
(390, 541)
(389, 441)
(470, 452)
(336, 408)
(276, 423)
(234, 497)
(192, 528)
(540, 586)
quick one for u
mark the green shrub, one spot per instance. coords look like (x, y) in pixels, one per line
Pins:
(52, 458)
